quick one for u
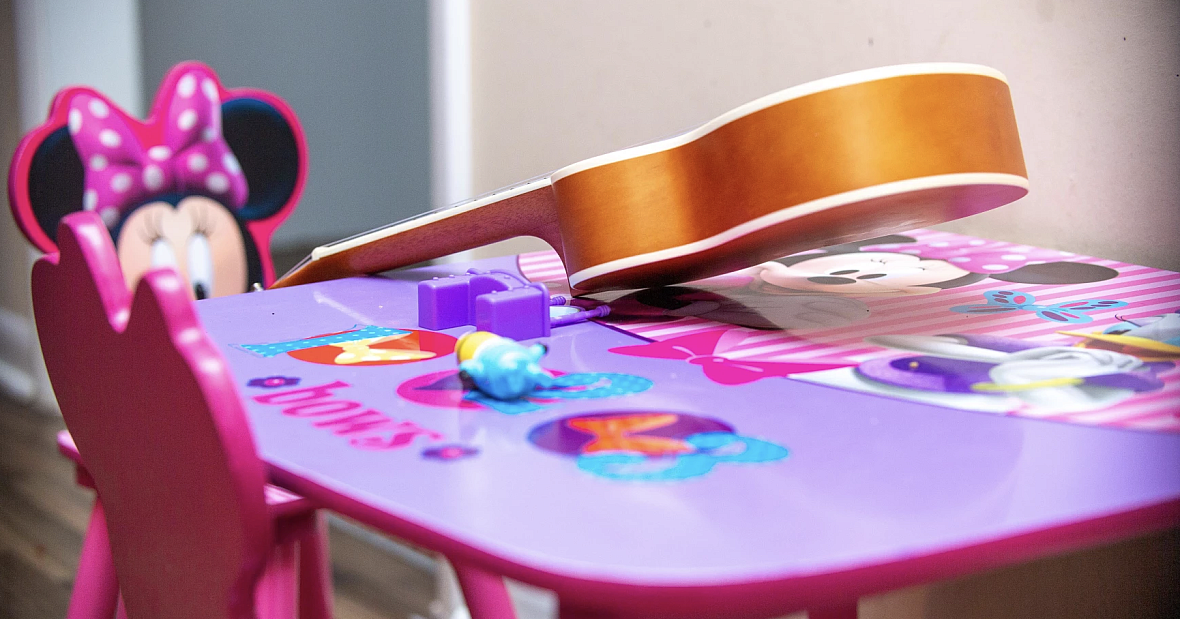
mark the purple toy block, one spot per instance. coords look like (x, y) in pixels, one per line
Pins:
(495, 301)
(519, 314)
(442, 303)
(485, 282)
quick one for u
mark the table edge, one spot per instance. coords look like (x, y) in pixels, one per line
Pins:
(776, 594)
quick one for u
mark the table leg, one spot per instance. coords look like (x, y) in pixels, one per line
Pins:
(274, 595)
(315, 569)
(486, 595)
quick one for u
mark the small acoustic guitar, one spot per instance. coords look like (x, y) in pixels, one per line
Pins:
(836, 160)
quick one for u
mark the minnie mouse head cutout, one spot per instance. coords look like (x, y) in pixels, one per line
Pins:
(201, 185)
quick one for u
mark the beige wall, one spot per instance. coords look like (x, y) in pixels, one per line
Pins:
(13, 251)
(1096, 86)
(556, 82)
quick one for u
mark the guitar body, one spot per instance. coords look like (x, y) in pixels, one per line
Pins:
(842, 159)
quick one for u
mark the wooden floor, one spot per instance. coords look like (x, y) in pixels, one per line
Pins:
(43, 514)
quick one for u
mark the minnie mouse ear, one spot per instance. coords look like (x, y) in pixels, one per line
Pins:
(54, 189)
(269, 149)
(1059, 273)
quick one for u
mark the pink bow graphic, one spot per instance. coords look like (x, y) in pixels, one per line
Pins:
(700, 348)
(121, 172)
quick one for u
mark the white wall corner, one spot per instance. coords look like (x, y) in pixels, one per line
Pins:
(60, 43)
(451, 149)
(16, 378)
(22, 370)
(450, 101)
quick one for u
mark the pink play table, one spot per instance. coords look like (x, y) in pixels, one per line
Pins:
(651, 486)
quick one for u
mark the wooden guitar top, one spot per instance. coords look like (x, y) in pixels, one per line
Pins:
(836, 160)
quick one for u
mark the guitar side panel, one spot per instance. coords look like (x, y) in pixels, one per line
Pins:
(843, 222)
(835, 146)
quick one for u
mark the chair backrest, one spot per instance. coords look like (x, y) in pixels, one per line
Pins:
(201, 185)
(155, 414)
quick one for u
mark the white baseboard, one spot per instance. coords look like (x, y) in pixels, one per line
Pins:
(22, 373)
(16, 383)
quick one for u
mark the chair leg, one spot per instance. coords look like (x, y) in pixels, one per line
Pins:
(274, 595)
(486, 595)
(844, 611)
(315, 568)
(96, 591)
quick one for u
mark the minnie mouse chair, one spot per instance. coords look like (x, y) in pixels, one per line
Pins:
(200, 186)
(184, 525)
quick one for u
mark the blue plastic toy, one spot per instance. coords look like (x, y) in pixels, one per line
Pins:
(500, 367)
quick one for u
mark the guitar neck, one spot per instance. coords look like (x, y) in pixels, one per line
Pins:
(528, 209)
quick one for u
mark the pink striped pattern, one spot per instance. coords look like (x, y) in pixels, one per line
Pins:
(1147, 292)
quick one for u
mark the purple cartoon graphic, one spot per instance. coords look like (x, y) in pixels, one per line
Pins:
(1001, 374)
(273, 382)
(650, 445)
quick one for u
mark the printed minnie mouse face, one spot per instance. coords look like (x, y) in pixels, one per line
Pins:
(186, 237)
(898, 265)
(199, 187)
(859, 274)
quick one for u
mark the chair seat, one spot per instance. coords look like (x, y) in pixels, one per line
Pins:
(279, 502)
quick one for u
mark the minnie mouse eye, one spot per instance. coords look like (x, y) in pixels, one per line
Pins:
(200, 266)
(162, 254)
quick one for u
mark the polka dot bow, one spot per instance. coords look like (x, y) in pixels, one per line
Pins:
(976, 255)
(121, 172)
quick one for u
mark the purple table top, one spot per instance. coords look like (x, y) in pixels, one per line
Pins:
(868, 480)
